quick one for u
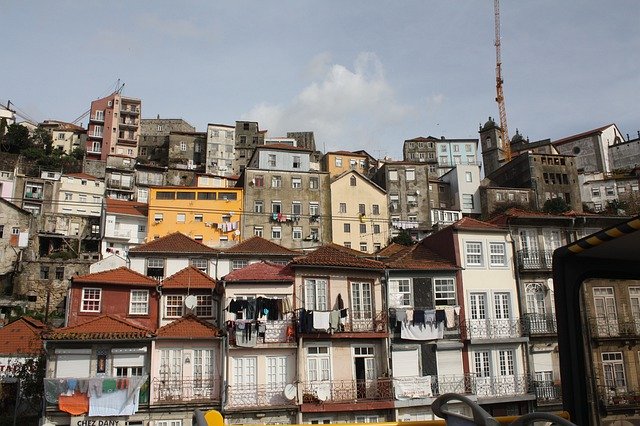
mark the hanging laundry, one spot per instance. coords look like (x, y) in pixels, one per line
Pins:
(321, 320)
(401, 315)
(74, 404)
(423, 332)
(418, 316)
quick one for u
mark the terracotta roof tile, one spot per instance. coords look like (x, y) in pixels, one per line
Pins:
(81, 176)
(104, 327)
(189, 327)
(119, 276)
(418, 256)
(259, 246)
(470, 224)
(502, 219)
(175, 243)
(189, 277)
(355, 154)
(127, 207)
(22, 337)
(281, 146)
(390, 250)
(339, 256)
(262, 271)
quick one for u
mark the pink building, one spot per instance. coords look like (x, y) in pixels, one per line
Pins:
(114, 127)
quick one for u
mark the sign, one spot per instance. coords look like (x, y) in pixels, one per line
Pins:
(97, 421)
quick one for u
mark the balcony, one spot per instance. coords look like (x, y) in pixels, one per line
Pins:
(245, 396)
(613, 328)
(355, 322)
(501, 386)
(127, 140)
(547, 393)
(118, 184)
(128, 123)
(619, 398)
(491, 329)
(95, 135)
(347, 391)
(177, 391)
(535, 260)
(133, 110)
(119, 233)
(538, 324)
(33, 195)
(276, 331)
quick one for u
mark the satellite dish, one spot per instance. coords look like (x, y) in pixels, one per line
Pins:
(190, 301)
(322, 393)
(290, 392)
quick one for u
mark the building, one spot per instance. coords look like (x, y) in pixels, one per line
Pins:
(15, 228)
(146, 176)
(607, 191)
(120, 177)
(114, 127)
(8, 171)
(407, 186)
(591, 148)
(187, 151)
(154, 138)
(422, 150)
(464, 183)
(625, 155)
(248, 136)
(211, 216)
(66, 136)
(220, 149)
(253, 250)
(285, 200)
(338, 162)
(125, 226)
(79, 194)
(359, 213)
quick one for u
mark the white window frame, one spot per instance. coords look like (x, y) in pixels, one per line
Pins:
(473, 250)
(139, 302)
(204, 307)
(497, 254)
(177, 303)
(276, 233)
(89, 297)
(316, 294)
(444, 291)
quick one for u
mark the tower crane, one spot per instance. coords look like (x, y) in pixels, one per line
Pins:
(506, 146)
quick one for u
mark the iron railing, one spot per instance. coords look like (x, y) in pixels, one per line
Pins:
(359, 322)
(607, 327)
(499, 386)
(535, 260)
(491, 329)
(547, 392)
(276, 331)
(534, 324)
(191, 389)
(623, 397)
(342, 391)
(243, 396)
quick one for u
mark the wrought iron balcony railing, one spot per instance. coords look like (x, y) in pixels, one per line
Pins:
(536, 324)
(347, 391)
(547, 392)
(191, 389)
(491, 329)
(608, 327)
(356, 322)
(621, 397)
(275, 331)
(245, 396)
(535, 260)
(499, 386)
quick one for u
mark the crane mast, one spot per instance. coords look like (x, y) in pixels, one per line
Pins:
(506, 146)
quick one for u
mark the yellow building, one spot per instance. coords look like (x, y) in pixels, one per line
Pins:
(359, 213)
(209, 215)
(338, 162)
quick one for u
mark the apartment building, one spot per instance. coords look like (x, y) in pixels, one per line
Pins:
(154, 138)
(66, 136)
(79, 194)
(125, 226)
(220, 149)
(338, 162)
(248, 136)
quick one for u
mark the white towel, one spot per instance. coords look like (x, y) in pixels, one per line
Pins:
(321, 320)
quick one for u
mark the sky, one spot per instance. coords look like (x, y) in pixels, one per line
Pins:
(360, 74)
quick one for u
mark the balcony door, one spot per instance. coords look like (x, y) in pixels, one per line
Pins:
(537, 321)
(478, 326)
(276, 379)
(503, 325)
(604, 303)
(362, 306)
(482, 369)
(614, 376)
(245, 392)
(506, 383)
(634, 297)
(171, 383)
(529, 248)
(365, 371)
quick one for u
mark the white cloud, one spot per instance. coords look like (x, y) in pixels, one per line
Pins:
(346, 108)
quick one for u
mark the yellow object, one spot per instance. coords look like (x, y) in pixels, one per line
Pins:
(214, 418)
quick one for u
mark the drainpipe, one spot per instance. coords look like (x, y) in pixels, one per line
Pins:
(224, 351)
(299, 385)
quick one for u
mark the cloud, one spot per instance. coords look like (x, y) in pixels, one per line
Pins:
(435, 100)
(173, 27)
(345, 108)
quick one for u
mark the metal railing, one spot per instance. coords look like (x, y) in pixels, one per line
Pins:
(491, 329)
(620, 396)
(185, 390)
(344, 391)
(547, 392)
(614, 327)
(533, 324)
(499, 386)
(535, 260)
(241, 396)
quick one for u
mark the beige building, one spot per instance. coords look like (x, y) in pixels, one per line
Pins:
(359, 211)
(66, 136)
(80, 194)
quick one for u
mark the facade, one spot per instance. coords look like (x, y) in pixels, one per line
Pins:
(343, 338)
(211, 216)
(248, 136)
(359, 213)
(494, 199)
(15, 228)
(66, 136)
(454, 152)
(407, 186)
(591, 148)
(125, 226)
(602, 191)
(252, 250)
(8, 171)
(220, 149)
(625, 155)
(464, 183)
(79, 194)
(114, 127)
(187, 151)
(422, 150)
(338, 162)
(285, 201)
(154, 138)
(120, 177)
(147, 176)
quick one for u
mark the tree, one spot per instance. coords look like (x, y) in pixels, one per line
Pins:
(555, 206)
(403, 238)
(42, 139)
(16, 139)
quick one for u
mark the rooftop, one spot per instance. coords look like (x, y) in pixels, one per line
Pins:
(22, 337)
(259, 246)
(338, 256)
(104, 327)
(263, 272)
(176, 243)
(189, 277)
(188, 327)
(119, 276)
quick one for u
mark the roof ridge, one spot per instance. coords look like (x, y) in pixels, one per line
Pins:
(111, 271)
(188, 317)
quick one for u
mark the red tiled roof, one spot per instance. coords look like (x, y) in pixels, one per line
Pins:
(470, 224)
(189, 277)
(120, 276)
(390, 250)
(581, 135)
(173, 243)
(283, 146)
(262, 271)
(22, 337)
(81, 176)
(418, 256)
(104, 327)
(188, 327)
(339, 256)
(503, 218)
(355, 154)
(259, 246)
(130, 208)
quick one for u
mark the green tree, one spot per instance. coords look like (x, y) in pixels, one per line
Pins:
(16, 139)
(555, 206)
(403, 238)
(42, 139)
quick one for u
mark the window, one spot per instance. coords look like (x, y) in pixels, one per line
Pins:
(142, 228)
(347, 244)
(204, 307)
(595, 192)
(346, 227)
(314, 183)
(393, 175)
(158, 217)
(315, 291)
(197, 217)
(473, 253)
(445, 291)
(353, 181)
(238, 264)
(258, 206)
(296, 183)
(173, 306)
(276, 182)
(272, 160)
(44, 272)
(502, 305)
(91, 300)
(481, 364)
(155, 268)
(297, 232)
(338, 161)
(613, 368)
(318, 364)
(343, 208)
(363, 228)
(401, 288)
(183, 146)
(506, 363)
(363, 247)
(258, 231)
(296, 208)
(361, 297)
(276, 207)
(467, 201)
(361, 209)
(259, 181)
(68, 196)
(315, 236)
(375, 209)
(314, 209)
(296, 162)
(410, 174)
(468, 177)
(139, 302)
(201, 264)
(497, 254)
(610, 191)
(59, 272)
(83, 198)
(181, 218)
(352, 164)
(376, 229)
(276, 232)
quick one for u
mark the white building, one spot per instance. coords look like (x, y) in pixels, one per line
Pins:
(79, 194)
(125, 226)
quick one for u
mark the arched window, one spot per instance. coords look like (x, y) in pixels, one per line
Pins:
(353, 181)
